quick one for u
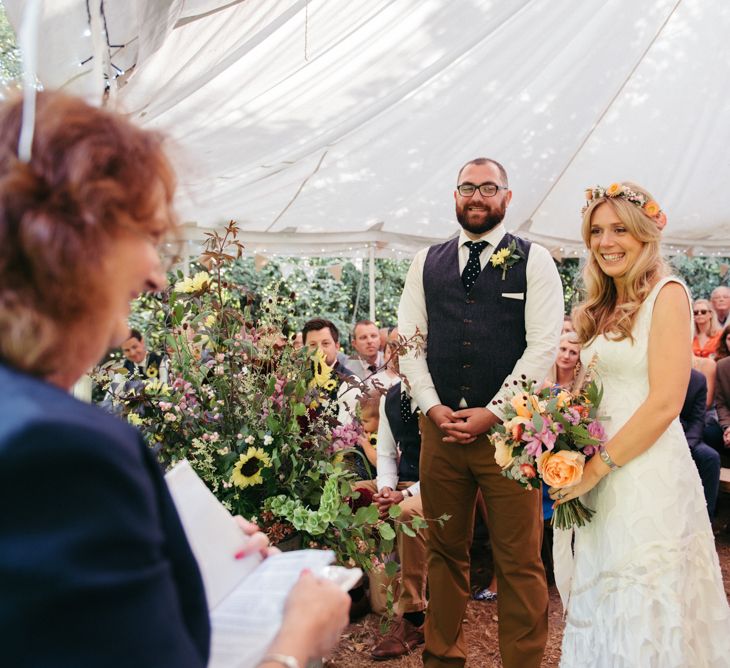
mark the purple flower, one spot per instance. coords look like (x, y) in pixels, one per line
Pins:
(596, 430)
(572, 416)
(590, 450)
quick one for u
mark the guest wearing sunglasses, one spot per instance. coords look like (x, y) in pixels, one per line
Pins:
(707, 329)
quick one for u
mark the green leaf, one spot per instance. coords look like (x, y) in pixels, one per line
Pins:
(386, 531)
(391, 568)
(537, 421)
(418, 523)
(407, 530)
(395, 510)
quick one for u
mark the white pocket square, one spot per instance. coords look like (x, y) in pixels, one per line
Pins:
(514, 295)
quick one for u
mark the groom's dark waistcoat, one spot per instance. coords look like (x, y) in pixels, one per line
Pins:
(473, 339)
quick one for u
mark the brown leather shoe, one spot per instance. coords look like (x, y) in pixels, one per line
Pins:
(402, 638)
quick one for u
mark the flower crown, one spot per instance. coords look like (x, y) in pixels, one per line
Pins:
(648, 206)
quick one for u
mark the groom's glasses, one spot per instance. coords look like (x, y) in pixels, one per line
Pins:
(701, 311)
(488, 189)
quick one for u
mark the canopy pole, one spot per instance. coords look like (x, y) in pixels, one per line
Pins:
(371, 252)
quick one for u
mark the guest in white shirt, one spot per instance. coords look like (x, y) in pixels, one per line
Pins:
(720, 299)
(368, 358)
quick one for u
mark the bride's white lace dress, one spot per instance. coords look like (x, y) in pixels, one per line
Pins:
(646, 590)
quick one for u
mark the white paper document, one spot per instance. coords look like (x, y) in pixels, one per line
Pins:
(245, 596)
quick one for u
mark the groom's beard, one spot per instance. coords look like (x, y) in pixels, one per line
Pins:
(479, 222)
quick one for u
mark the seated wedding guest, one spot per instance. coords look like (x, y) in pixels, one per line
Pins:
(140, 361)
(388, 376)
(723, 345)
(706, 366)
(366, 343)
(95, 569)
(722, 399)
(322, 334)
(720, 299)
(399, 447)
(706, 459)
(707, 329)
(384, 332)
(567, 363)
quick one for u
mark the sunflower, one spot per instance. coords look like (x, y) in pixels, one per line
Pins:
(322, 372)
(614, 190)
(247, 471)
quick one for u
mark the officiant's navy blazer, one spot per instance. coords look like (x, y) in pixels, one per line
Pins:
(95, 569)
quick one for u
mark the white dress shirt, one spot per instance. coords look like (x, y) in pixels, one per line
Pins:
(543, 318)
(387, 463)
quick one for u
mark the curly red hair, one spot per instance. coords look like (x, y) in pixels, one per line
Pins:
(91, 173)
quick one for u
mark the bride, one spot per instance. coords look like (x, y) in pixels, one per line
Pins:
(646, 587)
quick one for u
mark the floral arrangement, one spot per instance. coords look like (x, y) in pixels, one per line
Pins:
(547, 435)
(256, 418)
(506, 257)
(648, 206)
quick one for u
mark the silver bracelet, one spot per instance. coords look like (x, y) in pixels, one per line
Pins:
(606, 459)
(284, 659)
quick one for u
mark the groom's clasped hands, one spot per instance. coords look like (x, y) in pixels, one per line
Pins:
(462, 426)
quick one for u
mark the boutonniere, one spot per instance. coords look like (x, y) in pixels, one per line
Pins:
(506, 258)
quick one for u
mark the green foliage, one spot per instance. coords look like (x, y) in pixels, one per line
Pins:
(317, 293)
(11, 68)
(569, 270)
(702, 274)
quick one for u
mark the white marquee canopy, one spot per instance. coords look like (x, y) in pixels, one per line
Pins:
(330, 127)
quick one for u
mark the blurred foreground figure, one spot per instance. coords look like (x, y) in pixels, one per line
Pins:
(95, 569)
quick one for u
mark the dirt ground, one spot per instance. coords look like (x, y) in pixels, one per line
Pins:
(481, 619)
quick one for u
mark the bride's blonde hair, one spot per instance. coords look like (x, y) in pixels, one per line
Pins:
(600, 312)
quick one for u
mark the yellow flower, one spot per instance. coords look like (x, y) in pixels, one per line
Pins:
(247, 471)
(564, 398)
(322, 371)
(499, 257)
(194, 284)
(614, 189)
(502, 453)
(134, 419)
(651, 208)
(157, 387)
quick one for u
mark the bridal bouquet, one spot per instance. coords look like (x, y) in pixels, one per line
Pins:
(547, 435)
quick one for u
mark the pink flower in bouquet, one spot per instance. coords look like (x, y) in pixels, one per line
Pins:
(528, 470)
(561, 469)
(591, 450)
(535, 441)
(596, 430)
(572, 416)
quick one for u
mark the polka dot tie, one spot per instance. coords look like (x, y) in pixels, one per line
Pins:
(405, 407)
(473, 267)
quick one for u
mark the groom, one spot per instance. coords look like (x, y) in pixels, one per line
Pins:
(485, 323)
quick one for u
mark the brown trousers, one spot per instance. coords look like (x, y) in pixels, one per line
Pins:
(410, 591)
(450, 475)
